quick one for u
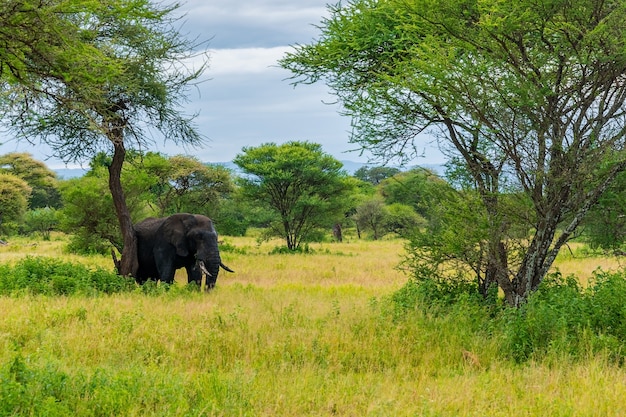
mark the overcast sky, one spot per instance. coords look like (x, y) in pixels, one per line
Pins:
(246, 99)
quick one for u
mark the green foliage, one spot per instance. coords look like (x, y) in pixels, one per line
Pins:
(182, 184)
(403, 220)
(88, 213)
(48, 276)
(416, 188)
(236, 215)
(490, 79)
(40, 178)
(372, 215)
(14, 193)
(28, 388)
(77, 69)
(455, 239)
(375, 175)
(605, 225)
(42, 220)
(284, 250)
(83, 242)
(305, 187)
(561, 319)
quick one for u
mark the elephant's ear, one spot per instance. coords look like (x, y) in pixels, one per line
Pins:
(174, 232)
(179, 240)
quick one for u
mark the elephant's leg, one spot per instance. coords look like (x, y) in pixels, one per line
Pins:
(194, 274)
(166, 271)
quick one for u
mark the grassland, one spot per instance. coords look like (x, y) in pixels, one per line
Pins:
(287, 335)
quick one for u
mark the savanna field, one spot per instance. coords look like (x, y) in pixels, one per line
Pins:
(324, 333)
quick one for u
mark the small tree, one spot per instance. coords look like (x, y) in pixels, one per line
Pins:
(14, 194)
(372, 215)
(39, 177)
(42, 220)
(415, 188)
(305, 187)
(403, 220)
(374, 175)
(184, 184)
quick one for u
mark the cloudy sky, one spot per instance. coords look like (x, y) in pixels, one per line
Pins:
(246, 99)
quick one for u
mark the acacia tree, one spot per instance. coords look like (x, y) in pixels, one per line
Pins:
(14, 193)
(39, 177)
(529, 92)
(183, 183)
(372, 214)
(375, 175)
(86, 76)
(304, 186)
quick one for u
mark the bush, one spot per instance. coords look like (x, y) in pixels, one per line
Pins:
(42, 220)
(30, 389)
(48, 276)
(607, 303)
(82, 243)
(561, 319)
(554, 320)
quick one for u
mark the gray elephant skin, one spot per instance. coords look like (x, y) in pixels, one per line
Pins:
(180, 240)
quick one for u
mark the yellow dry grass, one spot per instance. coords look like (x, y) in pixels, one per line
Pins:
(357, 263)
(295, 335)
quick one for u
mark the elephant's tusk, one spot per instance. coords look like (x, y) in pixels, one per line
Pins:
(226, 268)
(203, 269)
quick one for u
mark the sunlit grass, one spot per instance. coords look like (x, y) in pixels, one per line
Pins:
(289, 335)
(19, 247)
(575, 259)
(359, 262)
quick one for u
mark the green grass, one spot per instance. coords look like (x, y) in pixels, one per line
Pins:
(287, 335)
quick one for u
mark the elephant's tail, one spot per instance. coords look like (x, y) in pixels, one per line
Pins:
(226, 268)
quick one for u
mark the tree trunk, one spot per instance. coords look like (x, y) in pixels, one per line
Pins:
(535, 264)
(129, 263)
(496, 269)
(337, 232)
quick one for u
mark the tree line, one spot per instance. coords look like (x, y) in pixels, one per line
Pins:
(293, 191)
(298, 194)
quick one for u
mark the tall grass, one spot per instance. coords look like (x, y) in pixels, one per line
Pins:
(315, 334)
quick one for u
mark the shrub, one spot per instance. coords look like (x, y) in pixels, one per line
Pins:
(561, 319)
(48, 276)
(553, 319)
(606, 297)
(42, 220)
(84, 243)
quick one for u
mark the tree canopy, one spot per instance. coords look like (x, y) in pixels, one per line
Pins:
(39, 177)
(527, 95)
(304, 186)
(184, 184)
(82, 75)
(14, 193)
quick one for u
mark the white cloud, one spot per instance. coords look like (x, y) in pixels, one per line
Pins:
(244, 60)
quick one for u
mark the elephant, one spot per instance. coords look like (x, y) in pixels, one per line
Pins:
(180, 240)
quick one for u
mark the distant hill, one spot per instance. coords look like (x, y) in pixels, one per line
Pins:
(350, 166)
(69, 173)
